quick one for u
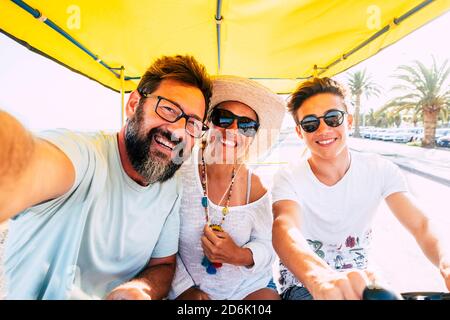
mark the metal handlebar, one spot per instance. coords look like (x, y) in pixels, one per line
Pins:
(378, 293)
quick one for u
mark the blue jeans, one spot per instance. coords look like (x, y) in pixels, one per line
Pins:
(296, 293)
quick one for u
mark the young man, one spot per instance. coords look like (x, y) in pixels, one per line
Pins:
(96, 215)
(323, 206)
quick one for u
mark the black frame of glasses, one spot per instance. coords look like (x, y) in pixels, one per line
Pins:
(343, 113)
(182, 115)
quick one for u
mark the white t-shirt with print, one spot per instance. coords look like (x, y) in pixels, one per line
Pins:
(337, 219)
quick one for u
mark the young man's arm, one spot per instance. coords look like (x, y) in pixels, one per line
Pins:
(424, 231)
(153, 283)
(32, 170)
(293, 250)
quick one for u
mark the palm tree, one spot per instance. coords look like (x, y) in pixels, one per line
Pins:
(360, 83)
(426, 92)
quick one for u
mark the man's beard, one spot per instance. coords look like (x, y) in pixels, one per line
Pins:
(152, 165)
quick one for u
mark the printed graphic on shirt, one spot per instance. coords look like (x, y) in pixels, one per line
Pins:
(316, 245)
(352, 253)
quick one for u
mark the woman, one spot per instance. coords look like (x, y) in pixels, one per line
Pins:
(225, 248)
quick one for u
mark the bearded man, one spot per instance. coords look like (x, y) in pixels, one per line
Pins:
(96, 215)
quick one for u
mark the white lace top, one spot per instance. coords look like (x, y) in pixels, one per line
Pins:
(249, 225)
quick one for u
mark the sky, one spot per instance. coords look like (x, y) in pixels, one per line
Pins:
(429, 41)
(42, 94)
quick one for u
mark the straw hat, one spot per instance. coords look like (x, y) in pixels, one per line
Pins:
(269, 107)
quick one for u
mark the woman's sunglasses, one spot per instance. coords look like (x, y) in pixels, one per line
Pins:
(224, 119)
(333, 118)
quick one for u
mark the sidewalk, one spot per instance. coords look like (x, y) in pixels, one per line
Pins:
(429, 163)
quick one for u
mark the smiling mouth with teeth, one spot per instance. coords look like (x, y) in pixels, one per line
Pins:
(164, 142)
(326, 142)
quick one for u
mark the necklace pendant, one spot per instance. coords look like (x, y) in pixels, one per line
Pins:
(204, 202)
(216, 227)
(211, 268)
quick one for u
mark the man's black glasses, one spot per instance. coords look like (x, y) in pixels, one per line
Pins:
(171, 112)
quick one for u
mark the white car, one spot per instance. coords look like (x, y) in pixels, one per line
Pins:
(390, 134)
(442, 132)
(406, 135)
(444, 141)
(378, 135)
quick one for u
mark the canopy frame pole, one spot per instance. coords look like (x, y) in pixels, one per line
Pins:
(122, 95)
(218, 17)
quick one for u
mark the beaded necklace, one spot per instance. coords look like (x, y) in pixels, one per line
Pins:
(211, 268)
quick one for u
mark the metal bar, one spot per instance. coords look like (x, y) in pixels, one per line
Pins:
(122, 94)
(219, 19)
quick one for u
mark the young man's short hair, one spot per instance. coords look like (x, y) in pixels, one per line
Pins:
(312, 87)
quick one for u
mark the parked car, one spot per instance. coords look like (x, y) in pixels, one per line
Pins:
(376, 132)
(441, 132)
(444, 141)
(379, 134)
(367, 133)
(406, 135)
(418, 136)
(387, 135)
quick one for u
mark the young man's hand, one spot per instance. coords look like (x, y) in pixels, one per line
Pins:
(133, 290)
(444, 267)
(339, 285)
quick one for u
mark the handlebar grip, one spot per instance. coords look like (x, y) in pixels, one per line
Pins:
(378, 293)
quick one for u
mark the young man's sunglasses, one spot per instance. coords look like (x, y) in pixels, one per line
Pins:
(333, 118)
(224, 119)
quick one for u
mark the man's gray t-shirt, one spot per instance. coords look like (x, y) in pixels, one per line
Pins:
(98, 235)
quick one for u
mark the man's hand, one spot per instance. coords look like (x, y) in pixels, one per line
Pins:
(339, 285)
(219, 247)
(133, 290)
(193, 293)
(152, 283)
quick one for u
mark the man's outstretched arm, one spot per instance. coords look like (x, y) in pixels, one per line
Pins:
(32, 170)
(427, 233)
(153, 283)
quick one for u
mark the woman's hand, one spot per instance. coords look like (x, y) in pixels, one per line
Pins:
(219, 247)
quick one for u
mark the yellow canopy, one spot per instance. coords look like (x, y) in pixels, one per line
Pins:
(278, 42)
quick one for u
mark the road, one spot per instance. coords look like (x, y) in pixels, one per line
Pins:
(398, 257)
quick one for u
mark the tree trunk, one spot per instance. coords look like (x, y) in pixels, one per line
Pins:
(356, 134)
(430, 116)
